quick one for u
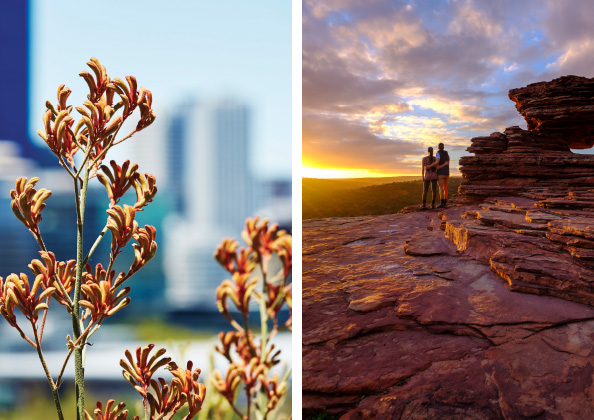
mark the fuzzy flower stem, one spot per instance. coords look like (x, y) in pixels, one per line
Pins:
(236, 410)
(59, 381)
(249, 403)
(263, 315)
(79, 369)
(146, 409)
(97, 241)
(84, 335)
(125, 138)
(47, 302)
(65, 166)
(109, 145)
(83, 166)
(52, 385)
(27, 339)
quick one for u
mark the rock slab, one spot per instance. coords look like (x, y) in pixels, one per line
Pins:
(390, 333)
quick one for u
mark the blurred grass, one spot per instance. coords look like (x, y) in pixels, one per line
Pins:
(155, 329)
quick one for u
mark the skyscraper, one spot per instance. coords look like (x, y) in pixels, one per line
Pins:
(14, 80)
(210, 144)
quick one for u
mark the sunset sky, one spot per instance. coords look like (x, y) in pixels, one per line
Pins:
(383, 80)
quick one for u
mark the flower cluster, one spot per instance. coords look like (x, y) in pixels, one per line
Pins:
(145, 248)
(61, 275)
(96, 130)
(101, 296)
(89, 295)
(160, 398)
(262, 241)
(19, 293)
(27, 203)
(110, 413)
(119, 179)
(249, 361)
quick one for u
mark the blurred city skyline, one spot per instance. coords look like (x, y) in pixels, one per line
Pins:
(210, 163)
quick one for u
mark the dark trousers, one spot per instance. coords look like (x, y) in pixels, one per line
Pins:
(433, 183)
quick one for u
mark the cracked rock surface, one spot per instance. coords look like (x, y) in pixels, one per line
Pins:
(399, 322)
(482, 311)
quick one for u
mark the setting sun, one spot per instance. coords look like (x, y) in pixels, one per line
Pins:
(332, 173)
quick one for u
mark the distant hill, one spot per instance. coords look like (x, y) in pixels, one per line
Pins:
(363, 196)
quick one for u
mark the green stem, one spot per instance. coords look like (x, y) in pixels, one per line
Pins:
(52, 385)
(287, 375)
(263, 317)
(263, 314)
(97, 241)
(47, 302)
(263, 329)
(79, 368)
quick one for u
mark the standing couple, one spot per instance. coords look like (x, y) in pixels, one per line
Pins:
(436, 168)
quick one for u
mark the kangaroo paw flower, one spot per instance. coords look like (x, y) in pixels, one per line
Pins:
(27, 203)
(117, 180)
(118, 412)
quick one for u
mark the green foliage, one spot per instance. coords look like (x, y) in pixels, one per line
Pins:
(347, 198)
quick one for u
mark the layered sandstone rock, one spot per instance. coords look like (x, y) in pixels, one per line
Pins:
(399, 322)
(484, 310)
(550, 188)
(536, 163)
(562, 107)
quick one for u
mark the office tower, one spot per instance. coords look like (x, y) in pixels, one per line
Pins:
(210, 145)
(14, 81)
(13, 73)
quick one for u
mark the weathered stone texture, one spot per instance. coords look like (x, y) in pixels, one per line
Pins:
(484, 310)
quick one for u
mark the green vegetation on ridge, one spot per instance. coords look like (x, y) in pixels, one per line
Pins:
(363, 197)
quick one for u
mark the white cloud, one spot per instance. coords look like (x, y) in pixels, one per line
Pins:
(511, 67)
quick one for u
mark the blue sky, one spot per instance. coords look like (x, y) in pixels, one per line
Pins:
(178, 50)
(385, 79)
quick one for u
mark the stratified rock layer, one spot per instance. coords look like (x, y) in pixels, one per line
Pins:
(536, 163)
(563, 107)
(546, 246)
(482, 311)
(520, 162)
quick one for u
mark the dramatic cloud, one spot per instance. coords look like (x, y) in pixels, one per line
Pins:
(330, 142)
(384, 79)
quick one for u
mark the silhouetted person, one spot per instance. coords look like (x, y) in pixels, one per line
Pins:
(443, 174)
(429, 174)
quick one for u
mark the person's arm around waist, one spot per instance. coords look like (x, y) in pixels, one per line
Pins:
(446, 163)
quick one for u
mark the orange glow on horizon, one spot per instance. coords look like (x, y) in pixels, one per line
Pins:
(334, 173)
